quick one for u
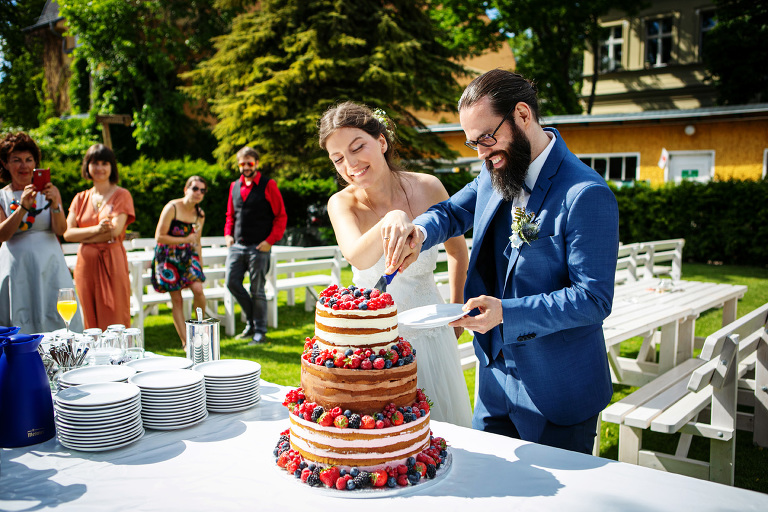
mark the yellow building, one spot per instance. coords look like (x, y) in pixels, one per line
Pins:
(652, 98)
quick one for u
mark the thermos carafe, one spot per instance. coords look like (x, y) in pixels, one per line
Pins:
(26, 406)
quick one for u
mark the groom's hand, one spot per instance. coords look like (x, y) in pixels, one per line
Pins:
(490, 315)
(402, 241)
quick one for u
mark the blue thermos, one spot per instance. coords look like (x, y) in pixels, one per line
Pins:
(26, 406)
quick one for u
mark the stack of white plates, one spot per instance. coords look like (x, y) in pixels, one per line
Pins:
(98, 417)
(231, 384)
(171, 399)
(149, 364)
(95, 375)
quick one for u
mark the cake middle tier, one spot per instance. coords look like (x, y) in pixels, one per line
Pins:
(361, 391)
(367, 329)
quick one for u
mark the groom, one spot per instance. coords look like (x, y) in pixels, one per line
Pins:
(543, 291)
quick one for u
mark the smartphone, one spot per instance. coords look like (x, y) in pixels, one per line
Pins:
(40, 178)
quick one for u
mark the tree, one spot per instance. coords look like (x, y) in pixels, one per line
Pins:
(286, 62)
(549, 41)
(732, 53)
(21, 72)
(135, 51)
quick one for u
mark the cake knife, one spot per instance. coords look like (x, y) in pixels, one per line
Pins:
(384, 280)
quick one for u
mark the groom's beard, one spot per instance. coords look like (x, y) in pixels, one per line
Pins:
(508, 180)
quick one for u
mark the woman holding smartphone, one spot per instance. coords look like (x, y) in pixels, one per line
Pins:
(32, 266)
(97, 219)
(178, 260)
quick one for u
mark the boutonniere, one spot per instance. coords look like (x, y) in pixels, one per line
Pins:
(524, 227)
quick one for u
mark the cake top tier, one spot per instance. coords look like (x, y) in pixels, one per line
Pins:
(352, 298)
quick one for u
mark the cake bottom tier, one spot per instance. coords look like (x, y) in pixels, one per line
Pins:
(366, 449)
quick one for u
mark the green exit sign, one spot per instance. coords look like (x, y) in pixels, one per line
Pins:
(690, 173)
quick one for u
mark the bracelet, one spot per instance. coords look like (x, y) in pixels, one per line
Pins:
(25, 208)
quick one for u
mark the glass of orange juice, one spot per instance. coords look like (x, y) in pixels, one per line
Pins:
(66, 305)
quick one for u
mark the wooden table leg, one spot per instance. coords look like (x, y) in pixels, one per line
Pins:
(729, 311)
(761, 394)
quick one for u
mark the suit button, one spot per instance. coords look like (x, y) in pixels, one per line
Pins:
(521, 338)
(532, 335)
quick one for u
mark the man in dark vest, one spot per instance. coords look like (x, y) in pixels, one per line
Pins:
(256, 221)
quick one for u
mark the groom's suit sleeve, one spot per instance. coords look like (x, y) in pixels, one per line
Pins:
(449, 218)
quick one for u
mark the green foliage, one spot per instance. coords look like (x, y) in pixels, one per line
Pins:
(134, 52)
(548, 41)
(464, 27)
(21, 73)
(63, 139)
(286, 62)
(731, 54)
(152, 183)
(721, 221)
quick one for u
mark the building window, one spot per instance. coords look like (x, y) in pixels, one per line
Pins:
(616, 167)
(658, 41)
(708, 22)
(610, 49)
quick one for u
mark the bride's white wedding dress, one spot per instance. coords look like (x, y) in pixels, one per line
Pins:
(437, 354)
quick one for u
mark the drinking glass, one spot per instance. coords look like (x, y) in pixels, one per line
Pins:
(134, 345)
(110, 209)
(66, 305)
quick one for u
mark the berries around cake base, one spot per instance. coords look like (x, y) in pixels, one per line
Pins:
(414, 469)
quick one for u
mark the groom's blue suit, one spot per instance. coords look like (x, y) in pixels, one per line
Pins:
(555, 294)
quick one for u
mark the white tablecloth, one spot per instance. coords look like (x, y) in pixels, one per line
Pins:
(226, 463)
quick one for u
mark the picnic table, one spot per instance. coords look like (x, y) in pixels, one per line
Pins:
(664, 316)
(226, 463)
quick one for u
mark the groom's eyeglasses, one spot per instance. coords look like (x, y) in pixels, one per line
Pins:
(488, 140)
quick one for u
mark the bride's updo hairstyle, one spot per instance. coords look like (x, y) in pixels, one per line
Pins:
(354, 115)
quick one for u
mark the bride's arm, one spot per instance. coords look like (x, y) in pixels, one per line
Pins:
(361, 250)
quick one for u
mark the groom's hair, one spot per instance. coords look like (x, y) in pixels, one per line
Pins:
(504, 90)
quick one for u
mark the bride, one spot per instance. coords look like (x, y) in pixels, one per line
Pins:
(359, 142)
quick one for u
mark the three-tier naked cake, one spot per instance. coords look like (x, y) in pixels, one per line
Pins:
(358, 419)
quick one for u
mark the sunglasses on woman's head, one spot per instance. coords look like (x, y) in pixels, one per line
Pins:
(198, 189)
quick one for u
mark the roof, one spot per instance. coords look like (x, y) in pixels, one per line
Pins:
(50, 14)
(650, 115)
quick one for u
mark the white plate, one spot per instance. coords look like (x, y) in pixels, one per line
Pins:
(97, 395)
(181, 406)
(160, 363)
(172, 399)
(77, 425)
(234, 408)
(96, 374)
(95, 414)
(214, 390)
(224, 368)
(156, 426)
(102, 448)
(96, 438)
(429, 317)
(166, 379)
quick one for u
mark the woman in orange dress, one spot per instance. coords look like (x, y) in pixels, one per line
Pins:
(97, 219)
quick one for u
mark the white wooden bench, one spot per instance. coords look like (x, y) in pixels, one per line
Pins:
(699, 397)
(647, 260)
(288, 261)
(442, 277)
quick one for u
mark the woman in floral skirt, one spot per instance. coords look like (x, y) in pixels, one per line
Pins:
(178, 262)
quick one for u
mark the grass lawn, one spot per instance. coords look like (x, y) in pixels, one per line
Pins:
(280, 357)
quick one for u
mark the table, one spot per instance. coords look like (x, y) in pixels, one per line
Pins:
(665, 318)
(225, 463)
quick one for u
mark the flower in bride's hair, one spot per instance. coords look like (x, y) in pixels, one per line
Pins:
(382, 117)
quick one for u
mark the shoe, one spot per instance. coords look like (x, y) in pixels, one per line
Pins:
(248, 332)
(258, 339)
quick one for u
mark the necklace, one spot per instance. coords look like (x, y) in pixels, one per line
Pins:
(367, 202)
(31, 213)
(103, 198)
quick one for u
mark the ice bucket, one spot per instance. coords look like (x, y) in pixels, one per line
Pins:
(203, 340)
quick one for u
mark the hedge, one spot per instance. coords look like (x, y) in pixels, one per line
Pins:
(721, 221)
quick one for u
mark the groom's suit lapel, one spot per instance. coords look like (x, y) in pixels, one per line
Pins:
(538, 194)
(491, 207)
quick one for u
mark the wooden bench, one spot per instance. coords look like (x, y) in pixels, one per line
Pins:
(699, 397)
(647, 260)
(288, 261)
(442, 277)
